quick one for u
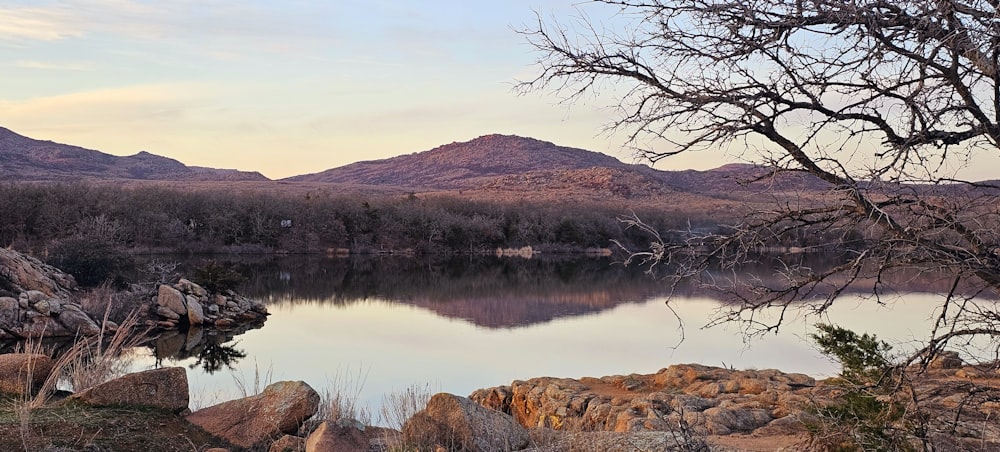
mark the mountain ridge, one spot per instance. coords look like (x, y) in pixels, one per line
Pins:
(466, 164)
(24, 158)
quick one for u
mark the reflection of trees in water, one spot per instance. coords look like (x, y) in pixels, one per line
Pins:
(501, 292)
(214, 357)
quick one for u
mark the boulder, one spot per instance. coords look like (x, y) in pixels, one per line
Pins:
(37, 326)
(196, 316)
(23, 273)
(188, 287)
(459, 424)
(280, 409)
(22, 373)
(172, 299)
(340, 436)
(78, 322)
(167, 313)
(165, 388)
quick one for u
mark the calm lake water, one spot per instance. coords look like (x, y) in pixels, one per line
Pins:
(375, 326)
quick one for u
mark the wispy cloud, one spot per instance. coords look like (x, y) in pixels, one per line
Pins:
(46, 24)
(113, 105)
(55, 66)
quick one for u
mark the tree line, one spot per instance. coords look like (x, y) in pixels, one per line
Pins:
(40, 217)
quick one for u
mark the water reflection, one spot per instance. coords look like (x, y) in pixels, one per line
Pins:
(465, 323)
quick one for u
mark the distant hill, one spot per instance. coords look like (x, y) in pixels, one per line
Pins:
(23, 158)
(534, 168)
(466, 165)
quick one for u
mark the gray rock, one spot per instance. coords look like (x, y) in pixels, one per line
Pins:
(9, 312)
(55, 307)
(78, 322)
(43, 307)
(38, 326)
(25, 273)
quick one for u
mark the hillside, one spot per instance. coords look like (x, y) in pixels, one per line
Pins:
(23, 158)
(466, 164)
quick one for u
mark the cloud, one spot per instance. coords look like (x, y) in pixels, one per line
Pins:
(46, 24)
(106, 106)
(65, 66)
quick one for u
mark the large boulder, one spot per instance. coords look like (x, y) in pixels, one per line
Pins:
(280, 409)
(23, 373)
(20, 273)
(340, 436)
(78, 322)
(172, 299)
(459, 424)
(165, 388)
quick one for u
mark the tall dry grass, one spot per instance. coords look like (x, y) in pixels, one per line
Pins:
(341, 398)
(399, 406)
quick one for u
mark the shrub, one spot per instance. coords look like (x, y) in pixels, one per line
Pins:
(91, 261)
(867, 416)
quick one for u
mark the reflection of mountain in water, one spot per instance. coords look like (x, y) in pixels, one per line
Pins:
(509, 292)
(487, 291)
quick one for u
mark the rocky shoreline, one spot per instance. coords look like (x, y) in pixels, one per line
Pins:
(681, 407)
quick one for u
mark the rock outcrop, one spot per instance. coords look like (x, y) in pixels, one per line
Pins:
(459, 424)
(36, 301)
(250, 422)
(186, 304)
(735, 408)
(710, 400)
(165, 388)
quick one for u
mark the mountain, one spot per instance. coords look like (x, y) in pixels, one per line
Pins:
(465, 165)
(23, 158)
(498, 166)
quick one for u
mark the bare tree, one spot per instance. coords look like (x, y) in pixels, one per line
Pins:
(881, 101)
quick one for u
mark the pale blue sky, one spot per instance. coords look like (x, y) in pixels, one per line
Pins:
(289, 87)
(283, 87)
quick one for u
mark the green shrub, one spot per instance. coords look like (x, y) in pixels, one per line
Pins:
(868, 415)
(863, 359)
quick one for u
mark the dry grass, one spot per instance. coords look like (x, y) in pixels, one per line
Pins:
(340, 399)
(399, 406)
(249, 387)
(103, 359)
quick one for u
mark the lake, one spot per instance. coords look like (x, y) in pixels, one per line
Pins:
(372, 326)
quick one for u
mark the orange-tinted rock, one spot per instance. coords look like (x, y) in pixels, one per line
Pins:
(280, 409)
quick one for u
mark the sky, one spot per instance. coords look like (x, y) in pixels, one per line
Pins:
(280, 87)
(291, 87)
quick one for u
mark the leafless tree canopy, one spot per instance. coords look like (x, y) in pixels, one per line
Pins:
(881, 100)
